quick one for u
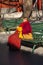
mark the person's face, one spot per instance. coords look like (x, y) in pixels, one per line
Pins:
(25, 19)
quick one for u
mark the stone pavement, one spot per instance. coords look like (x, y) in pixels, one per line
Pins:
(4, 38)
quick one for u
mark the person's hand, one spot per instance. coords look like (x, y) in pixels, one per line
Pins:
(19, 28)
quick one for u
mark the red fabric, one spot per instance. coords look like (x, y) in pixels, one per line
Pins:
(14, 40)
(26, 27)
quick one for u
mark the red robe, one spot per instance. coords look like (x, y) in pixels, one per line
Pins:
(14, 38)
(26, 27)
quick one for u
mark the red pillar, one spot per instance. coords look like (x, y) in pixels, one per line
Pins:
(39, 4)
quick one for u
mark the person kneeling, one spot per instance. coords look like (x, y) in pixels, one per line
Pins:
(25, 30)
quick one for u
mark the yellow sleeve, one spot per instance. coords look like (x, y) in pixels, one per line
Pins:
(19, 28)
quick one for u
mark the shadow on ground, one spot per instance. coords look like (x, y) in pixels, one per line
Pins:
(18, 57)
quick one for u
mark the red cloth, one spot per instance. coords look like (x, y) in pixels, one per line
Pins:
(14, 40)
(26, 27)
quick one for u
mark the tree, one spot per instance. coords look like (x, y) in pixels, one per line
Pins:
(27, 6)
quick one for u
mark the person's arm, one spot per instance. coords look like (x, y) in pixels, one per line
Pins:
(19, 28)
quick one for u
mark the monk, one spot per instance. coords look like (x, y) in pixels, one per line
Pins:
(25, 30)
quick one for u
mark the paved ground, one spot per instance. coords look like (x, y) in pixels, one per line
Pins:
(18, 57)
(22, 57)
(4, 38)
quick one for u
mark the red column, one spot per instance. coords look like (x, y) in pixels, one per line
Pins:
(39, 4)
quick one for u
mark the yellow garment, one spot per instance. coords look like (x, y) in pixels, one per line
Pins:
(19, 29)
(20, 35)
(20, 32)
(28, 36)
(24, 36)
